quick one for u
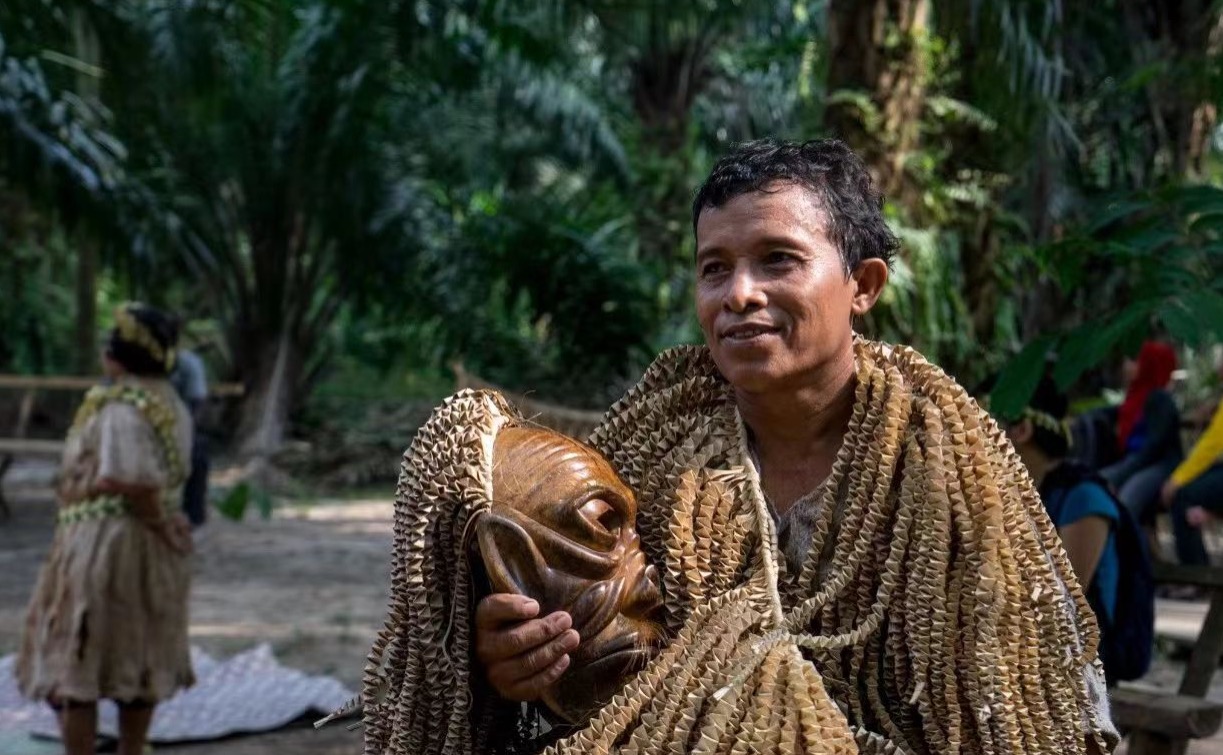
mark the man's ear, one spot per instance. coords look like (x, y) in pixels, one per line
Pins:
(869, 279)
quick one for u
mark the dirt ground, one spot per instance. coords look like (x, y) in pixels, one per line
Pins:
(312, 581)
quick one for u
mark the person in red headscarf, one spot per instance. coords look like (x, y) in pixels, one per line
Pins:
(1148, 431)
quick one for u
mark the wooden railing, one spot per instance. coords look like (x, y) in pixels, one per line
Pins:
(79, 383)
(19, 445)
(576, 423)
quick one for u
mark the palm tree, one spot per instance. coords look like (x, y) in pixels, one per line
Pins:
(316, 156)
(261, 122)
(60, 154)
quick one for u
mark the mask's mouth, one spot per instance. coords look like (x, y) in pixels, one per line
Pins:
(625, 661)
(588, 686)
(624, 644)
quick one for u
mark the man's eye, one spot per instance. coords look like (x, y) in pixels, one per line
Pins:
(712, 268)
(774, 258)
(602, 515)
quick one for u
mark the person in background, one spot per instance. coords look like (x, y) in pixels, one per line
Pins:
(108, 617)
(1194, 492)
(1100, 536)
(1148, 431)
(190, 379)
(1083, 512)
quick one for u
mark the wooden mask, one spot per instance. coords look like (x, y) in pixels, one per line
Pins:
(561, 531)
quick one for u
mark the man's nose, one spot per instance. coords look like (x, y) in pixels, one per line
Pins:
(743, 292)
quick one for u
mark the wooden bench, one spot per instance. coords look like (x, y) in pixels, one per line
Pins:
(1160, 723)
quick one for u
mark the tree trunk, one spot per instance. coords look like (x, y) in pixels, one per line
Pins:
(666, 79)
(85, 41)
(1198, 113)
(1188, 37)
(877, 49)
(274, 370)
(665, 83)
(979, 261)
(1044, 305)
(86, 306)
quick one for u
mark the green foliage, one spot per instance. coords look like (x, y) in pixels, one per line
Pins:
(234, 502)
(1018, 380)
(571, 319)
(1143, 261)
(388, 187)
(35, 303)
(57, 148)
(922, 304)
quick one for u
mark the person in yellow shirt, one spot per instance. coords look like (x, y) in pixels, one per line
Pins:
(1195, 491)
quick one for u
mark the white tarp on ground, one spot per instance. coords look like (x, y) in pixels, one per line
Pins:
(247, 693)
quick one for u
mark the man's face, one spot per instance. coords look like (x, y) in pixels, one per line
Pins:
(772, 295)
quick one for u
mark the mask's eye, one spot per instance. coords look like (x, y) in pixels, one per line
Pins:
(602, 516)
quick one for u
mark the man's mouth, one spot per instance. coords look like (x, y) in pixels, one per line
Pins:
(747, 332)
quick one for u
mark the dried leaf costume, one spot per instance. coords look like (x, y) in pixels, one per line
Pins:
(930, 608)
(108, 617)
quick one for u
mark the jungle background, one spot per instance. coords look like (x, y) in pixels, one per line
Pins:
(348, 200)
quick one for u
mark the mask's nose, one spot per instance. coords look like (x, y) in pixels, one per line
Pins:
(644, 598)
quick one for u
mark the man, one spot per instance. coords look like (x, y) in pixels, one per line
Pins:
(190, 379)
(906, 545)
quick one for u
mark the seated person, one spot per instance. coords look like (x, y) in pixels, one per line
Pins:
(1102, 540)
(1084, 513)
(1194, 492)
(1148, 432)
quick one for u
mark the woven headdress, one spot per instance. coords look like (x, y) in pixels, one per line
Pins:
(143, 339)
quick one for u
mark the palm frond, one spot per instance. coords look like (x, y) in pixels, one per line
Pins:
(54, 136)
(579, 125)
(1019, 42)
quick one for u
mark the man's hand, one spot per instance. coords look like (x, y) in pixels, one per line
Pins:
(522, 655)
(1201, 416)
(1197, 516)
(1168, 493)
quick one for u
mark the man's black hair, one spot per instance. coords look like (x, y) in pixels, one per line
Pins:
(826, 167)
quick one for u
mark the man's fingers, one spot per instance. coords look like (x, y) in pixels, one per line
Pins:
(525, 676)
(532, 687)
(495, 645)
(504, 608)
(522, 654)
(542, 658)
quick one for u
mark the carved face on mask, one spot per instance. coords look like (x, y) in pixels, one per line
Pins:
(561, 531)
